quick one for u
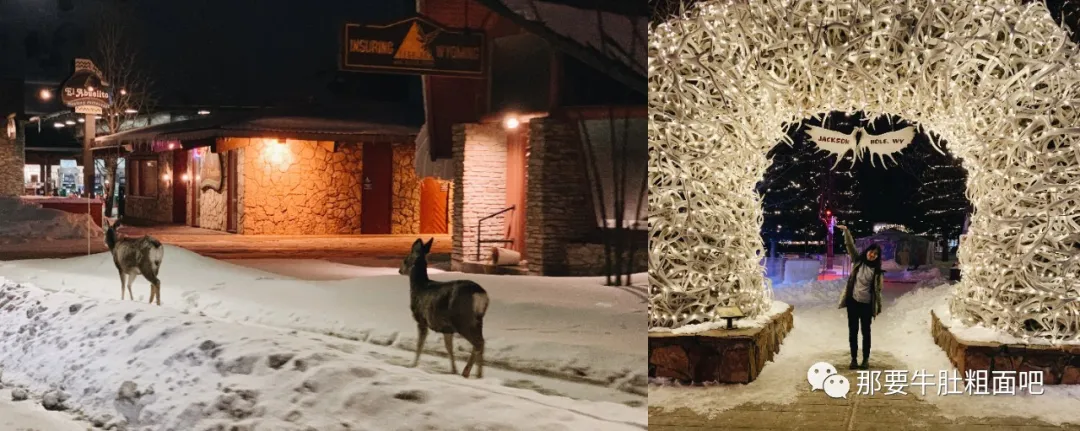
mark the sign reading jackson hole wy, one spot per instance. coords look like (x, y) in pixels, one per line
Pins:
(414, 46)
(859, 142)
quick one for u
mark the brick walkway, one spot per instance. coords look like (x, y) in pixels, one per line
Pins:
(816, 411)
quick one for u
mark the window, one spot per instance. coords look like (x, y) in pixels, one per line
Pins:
(143, 178)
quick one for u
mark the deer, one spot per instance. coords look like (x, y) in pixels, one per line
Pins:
(135, 256)
(446, 307)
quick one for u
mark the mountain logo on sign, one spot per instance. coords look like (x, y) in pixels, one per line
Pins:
(416, 45)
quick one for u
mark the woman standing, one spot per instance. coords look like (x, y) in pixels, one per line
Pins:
(862, 297)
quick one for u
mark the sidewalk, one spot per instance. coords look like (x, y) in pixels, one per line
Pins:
(816, 411)
(220, 245)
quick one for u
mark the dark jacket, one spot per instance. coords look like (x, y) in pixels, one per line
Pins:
(857, 263)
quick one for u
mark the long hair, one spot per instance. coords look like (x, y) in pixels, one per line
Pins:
(876, 264)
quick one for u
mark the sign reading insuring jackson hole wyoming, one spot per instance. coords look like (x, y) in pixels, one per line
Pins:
(859, 142)
(414, 46)
(86, 90)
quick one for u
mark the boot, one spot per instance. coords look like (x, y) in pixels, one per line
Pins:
(853, 365)
(865, 364)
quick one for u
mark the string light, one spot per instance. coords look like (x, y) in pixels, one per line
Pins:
(725, 79)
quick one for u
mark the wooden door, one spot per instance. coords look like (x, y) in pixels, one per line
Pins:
(231, 192)
(434, 202)
(377, 179)
(517, 148)
(180, 187)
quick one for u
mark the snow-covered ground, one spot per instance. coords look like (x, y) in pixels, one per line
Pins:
(573, 328)
(902, 330)
(159, 368)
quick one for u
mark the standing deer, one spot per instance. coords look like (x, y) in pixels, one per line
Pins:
(134, 256)
(447, 307)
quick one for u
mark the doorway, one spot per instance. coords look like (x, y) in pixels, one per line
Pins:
(180, 187)
(434, 204)
(377, 182)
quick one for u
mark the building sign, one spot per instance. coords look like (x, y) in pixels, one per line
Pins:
(86, 90)
(68, 163)
(414, 46)
(859, 142)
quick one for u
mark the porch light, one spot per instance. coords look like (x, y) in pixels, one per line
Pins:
(172, 145)
(45, 94)
(511, 122)
(185, 177)
(82, 120)
(165, 177)
(123, 92)
(69, 122)
(58, 125)
(204, 112)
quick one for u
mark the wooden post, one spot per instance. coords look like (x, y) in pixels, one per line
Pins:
(88, 156)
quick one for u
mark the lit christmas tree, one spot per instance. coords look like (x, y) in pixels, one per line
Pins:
(801, 186)
(940, 199)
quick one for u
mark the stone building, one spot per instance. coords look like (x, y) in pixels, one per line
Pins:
(537, 146)
(273, 172)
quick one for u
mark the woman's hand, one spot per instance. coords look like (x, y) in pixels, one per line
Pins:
(841, 227)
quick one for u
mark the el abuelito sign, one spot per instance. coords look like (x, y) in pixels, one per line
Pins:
(413, 46)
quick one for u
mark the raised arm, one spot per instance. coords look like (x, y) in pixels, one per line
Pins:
(849, 243)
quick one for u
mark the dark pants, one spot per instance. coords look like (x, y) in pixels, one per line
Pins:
(859, 315)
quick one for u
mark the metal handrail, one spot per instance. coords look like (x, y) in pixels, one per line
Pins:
(480, 233)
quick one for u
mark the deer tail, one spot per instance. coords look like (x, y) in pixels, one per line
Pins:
(480, 304)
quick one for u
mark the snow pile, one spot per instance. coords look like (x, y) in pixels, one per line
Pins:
(21, 222)
(810, 293)
(574, 328)
(921, 274)
(155, 368)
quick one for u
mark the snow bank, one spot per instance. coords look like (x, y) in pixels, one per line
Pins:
(574, 328)
(156, 368)
(21, 222)
(776, 308)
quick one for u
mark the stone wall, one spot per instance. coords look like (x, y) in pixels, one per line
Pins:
(586, 260)
(12, 159)
(240, 154)
(479, 188)
(301, 188)
(559, 207)
(1059, 365)
(405, 218)
(153, 208)
(721, 355)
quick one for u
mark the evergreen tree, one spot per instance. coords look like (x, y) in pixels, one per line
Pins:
(801, 186)
(940, 199)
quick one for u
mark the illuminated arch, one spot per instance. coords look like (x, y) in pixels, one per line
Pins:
(998, 80)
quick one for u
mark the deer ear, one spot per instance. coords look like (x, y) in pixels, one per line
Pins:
(416, 245)
(427, 247)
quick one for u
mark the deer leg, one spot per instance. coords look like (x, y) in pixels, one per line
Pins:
(123, 284)
(449, 340)
(420, 343)
(130, 281)
(477, 355)
(155, 284)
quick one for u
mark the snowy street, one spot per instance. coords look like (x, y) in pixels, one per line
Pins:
(228, 335)
(30, 416)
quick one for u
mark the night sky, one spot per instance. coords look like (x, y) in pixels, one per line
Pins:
(212, 52)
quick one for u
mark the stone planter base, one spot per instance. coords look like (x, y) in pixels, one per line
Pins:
(724, 356)
(1059, 365)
